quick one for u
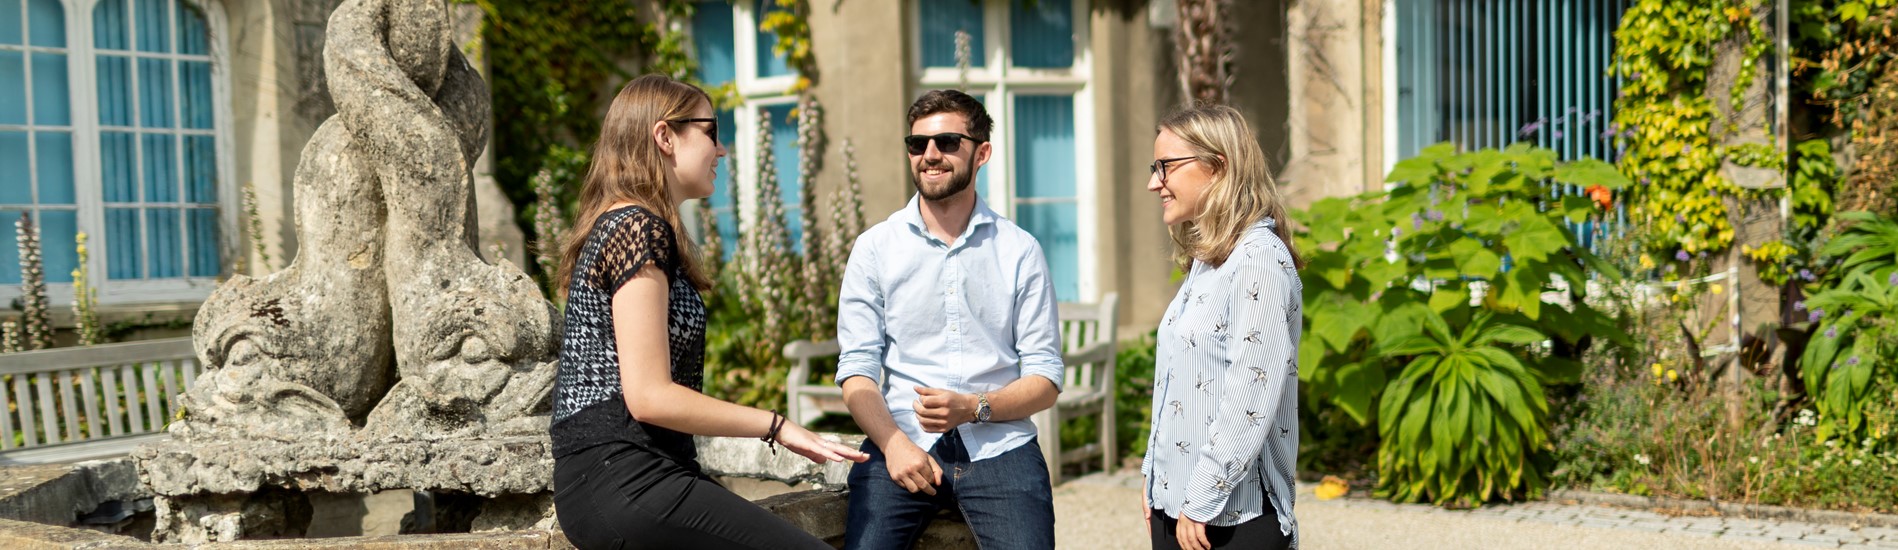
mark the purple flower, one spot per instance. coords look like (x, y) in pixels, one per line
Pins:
(1832, 331)
(1680, 218)
(1848, 312)
(1893, 280)
(1434, 215)
(1629, 133)
(1681, 255)
(1689, 148)
(1644, 180)
(1852, 362)
(1815, 316)
(1799, 305)
(1416, 221)
(1703, 254)
(1533, 127)
(1807, 275)
(1558, 134)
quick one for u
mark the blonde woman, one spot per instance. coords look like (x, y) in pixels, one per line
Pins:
(1225, 401)
(627, 401)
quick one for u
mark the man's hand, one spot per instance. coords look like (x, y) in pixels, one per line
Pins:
(911, 467)
(943, 410)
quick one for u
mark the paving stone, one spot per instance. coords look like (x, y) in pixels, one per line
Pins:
(1810, 542)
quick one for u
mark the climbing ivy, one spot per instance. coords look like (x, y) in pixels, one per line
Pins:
(792, 24)
(1665, 52)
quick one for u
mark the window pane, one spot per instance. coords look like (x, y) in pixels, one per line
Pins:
(15, 187)
(195, 83)
(117, 160)
(10, 24)
(50, 97)
(1057, 227)
(1044, 146)
(712, 39)
(769, 62)
(55, 167)
(115, 90)
(122, 239)
(47, 21)
(12, 88)
(193, 37)
(721, 186)
(108, 25)
(1043, 34)
(982, 175)
(941, 19)
(160, 167)
(205, 261)
(154, 25)
(727, 231)
(59, 251)
(9, 254)
(200, 169)
(164, 243)
(154, 93)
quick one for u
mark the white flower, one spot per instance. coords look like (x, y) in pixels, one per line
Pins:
(1753, 459)
(1857, 462)
(1832, 443)
(1641, 458)
(1867, 443)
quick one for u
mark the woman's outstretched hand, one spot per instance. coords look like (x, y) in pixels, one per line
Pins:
(808, 445)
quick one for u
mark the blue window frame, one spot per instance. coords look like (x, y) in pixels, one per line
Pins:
(1046, 199)
(720, 31)
(36, 137)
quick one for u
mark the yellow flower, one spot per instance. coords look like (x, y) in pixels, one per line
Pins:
(1672, 376)
(1646, 262)
(1657, 370)
(1716, 289)
(1331, 487)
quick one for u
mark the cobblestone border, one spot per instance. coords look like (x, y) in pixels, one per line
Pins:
(1674, 506)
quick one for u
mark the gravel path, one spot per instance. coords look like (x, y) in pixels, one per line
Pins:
(1102, 511)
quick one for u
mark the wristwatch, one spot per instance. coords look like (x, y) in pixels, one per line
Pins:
(982, 411)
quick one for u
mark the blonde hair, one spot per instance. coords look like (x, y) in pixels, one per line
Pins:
(1241, 191)
(628, 166)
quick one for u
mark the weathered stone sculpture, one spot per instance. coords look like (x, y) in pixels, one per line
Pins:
(388, 355)
(387, 286)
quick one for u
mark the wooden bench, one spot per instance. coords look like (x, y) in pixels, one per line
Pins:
(80, 403)
(1088, 352)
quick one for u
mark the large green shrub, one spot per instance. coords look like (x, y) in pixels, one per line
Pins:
(1853, 347)
(1425, 310)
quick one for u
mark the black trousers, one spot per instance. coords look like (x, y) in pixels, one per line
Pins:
(1261, 532)
(619, 496)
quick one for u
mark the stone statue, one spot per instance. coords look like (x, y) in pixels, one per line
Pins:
(387, 324)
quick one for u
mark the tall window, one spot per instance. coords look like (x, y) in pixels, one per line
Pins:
(119, 137)
(1028, 65)
(731, 49)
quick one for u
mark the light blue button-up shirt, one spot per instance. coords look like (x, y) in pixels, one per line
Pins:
(969, 316)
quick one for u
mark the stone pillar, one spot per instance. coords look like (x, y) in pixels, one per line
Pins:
(863, 57)
(1332, 75)
(1755, 311)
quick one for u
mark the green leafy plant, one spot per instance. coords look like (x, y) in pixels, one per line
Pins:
(1464, 247)
(1463, 420)
(1856, 340)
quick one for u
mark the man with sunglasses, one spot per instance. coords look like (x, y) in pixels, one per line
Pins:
(949, 339)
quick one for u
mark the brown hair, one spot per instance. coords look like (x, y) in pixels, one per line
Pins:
(1241, 191)
(628, 166)
(953, 101)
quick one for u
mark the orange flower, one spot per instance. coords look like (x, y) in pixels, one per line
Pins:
(1601, 195)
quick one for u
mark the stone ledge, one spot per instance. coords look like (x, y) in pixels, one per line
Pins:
(56, 494)
(747, 457)
(1730, 509)
(20, 535)
(485, 467)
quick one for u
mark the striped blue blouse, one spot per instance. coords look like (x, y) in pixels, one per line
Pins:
(1225, 399)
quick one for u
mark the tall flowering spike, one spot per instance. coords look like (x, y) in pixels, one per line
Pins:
(39, 319)
(85, 302)
(549, 225)
(255, 222)
(714, 246)
(769, 261)
(816, 276)
(9, 338)
(964, 58)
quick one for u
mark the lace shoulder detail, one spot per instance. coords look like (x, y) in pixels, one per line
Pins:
(625, 240)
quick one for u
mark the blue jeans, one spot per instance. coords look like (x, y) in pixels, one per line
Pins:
(1007, 500)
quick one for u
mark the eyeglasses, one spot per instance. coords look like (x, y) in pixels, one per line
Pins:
(713, 132)
(948, 143)
(1162, 166)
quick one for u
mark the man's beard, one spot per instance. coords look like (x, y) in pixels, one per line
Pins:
(958, 181)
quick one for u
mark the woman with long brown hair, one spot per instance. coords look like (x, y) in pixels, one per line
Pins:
(1224, 442)
(628, 401)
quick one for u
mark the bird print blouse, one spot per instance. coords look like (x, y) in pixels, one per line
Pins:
(1225, 398)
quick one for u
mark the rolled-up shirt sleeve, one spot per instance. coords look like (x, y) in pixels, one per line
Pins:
(860, 308)
(1037, 321)
(1259, 362)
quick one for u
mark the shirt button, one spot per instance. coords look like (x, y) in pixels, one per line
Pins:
(952, 291)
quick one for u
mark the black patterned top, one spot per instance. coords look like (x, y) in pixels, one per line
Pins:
(588, 408)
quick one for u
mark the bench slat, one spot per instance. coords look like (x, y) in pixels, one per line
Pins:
(6, 417)
(109, 386)
(149, 373)
(91, 356)
(69, 405)
(49, 415)
(90, 398)
(28, 434)
(168, 374)
(128, 388)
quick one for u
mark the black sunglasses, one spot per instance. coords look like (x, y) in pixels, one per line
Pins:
(1161, 166)
(948, 143)
(712, 132)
